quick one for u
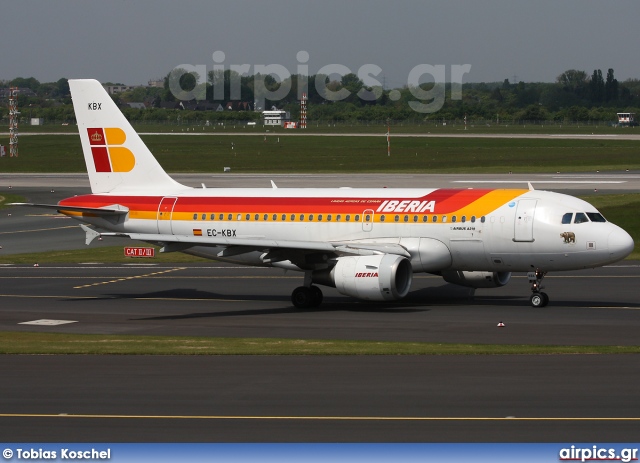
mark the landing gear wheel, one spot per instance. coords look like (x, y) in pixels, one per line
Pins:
(316, 296)
(302, 297)
(546, 299)
(539, 299)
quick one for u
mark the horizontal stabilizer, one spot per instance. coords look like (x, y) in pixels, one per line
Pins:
(114, 209)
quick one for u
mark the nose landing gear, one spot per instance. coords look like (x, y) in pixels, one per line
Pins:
(538, 298)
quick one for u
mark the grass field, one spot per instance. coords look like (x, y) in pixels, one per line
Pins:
(273, 153)
(58, 343)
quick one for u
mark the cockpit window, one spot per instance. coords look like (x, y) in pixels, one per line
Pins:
(596, 217)
(567, 218)
(581, 217)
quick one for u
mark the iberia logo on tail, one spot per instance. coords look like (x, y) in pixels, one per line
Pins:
(108, 153)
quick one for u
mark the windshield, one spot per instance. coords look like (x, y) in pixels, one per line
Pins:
(596, 217)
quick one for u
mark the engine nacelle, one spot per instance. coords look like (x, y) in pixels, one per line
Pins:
(383, 277)
(477, 279)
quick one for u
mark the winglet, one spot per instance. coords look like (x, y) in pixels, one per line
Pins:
(273, 185)
(530, 186)
(91, 234)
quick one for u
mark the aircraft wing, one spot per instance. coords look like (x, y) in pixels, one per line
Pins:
(112, 210)
(241, 245)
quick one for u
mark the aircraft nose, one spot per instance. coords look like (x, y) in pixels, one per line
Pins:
(620, 243)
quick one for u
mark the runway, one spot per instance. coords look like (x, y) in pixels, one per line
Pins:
(556, 398)
(320, 399)
(571, 183)
(589, 307)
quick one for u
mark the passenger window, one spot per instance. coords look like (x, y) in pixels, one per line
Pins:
(348, 218)
(195, 216)
(221, 217)
(204, 216)
(464, 218)
(293, 217)
(473, 219)
(265, 217)
(319, 217)
(248, 217)
(482, 219)
(284, 217)
(213, 217)
(310, 217)
(444, 219)
(357, 219)
(367, 218)
(425, 218)
(230, 217)
(566, 219)
(338, 218)
(581, 218)
(275, 217)
(329, 218)
(382, 218)
(454, 219)
(415, 218)
(434, 219)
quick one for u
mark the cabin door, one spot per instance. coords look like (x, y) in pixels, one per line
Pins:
(165, 211)
(523, 228)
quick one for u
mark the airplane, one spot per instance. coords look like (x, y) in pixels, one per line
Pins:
(367, 243)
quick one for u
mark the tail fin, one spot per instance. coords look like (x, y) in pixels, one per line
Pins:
(117, 159)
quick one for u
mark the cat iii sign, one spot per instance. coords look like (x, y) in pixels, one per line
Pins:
(139, 252)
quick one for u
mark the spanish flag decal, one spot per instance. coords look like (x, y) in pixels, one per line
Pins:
(197, 232)
(108, 153)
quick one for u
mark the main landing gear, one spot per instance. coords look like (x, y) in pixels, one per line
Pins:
(538, 298)
(307, 296)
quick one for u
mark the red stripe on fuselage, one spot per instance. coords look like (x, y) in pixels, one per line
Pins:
(446, 201)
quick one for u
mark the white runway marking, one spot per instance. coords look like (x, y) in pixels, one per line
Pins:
(47, 322)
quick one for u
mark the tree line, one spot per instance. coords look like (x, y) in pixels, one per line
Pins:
(574, 96)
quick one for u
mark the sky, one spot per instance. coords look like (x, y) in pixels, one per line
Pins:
(133, 41)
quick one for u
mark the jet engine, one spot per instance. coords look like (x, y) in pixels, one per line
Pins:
(382, 277)
(477, 279)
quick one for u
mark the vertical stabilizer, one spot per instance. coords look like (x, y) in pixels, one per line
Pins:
(117, 159)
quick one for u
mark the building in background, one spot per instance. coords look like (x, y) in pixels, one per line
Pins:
(275, 117)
